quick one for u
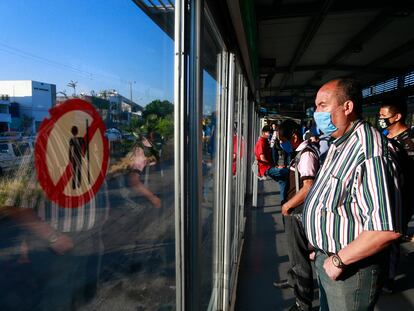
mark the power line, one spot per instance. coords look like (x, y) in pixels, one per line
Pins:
(86, 74)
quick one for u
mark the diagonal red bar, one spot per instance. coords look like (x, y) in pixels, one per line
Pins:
(64, 179)
(92, 129)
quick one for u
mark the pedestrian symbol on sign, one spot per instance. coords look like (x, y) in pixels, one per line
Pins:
(69, 174)
(76, 152)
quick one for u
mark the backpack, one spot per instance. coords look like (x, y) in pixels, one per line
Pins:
(309, 148)
(297, 212)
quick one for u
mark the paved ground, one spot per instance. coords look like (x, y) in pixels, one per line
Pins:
(265, 259)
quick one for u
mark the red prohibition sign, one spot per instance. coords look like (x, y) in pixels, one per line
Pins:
(55, 189)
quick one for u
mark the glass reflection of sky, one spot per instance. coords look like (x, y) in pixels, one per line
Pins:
(100, 44)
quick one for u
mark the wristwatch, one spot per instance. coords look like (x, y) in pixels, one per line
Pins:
(53, 238)
(337, 261)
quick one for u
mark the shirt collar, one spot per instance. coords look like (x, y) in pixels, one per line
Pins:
(337, 142)
(302, 146)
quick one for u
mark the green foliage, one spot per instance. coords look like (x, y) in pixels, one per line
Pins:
(157, 117)
(134, 126)
(159, 108)
(165, 127)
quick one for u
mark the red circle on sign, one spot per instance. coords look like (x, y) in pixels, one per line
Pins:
(55, 192)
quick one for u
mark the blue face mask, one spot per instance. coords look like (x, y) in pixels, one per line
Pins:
(286, 146)
(324, 123)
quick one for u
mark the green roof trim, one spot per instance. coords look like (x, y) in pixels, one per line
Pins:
(248, 15)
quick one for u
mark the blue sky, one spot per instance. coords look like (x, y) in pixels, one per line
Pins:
(101, 44)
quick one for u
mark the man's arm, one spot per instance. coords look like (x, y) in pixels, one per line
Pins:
(366, 244)
(263, 158)
(26, 217)
(298, 198)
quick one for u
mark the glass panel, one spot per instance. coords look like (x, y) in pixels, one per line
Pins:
(212, 89)
(243, 158)
(87, 80)
(236, 168)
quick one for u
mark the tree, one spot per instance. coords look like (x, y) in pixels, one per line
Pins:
(165, 127)
(73, 84)
(63, 93)
(159, 108)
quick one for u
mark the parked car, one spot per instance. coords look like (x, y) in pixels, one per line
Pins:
(113, 134)
(128, 137)
(14, 152)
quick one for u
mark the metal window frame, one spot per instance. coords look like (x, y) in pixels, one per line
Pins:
(239, 80)
(227, 221)
(187, 130)
(188, 110)
(180, 80)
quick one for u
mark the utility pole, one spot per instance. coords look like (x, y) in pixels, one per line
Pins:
(130, 88)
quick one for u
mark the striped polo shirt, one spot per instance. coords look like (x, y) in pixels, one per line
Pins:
(83, 218)
(356, 190)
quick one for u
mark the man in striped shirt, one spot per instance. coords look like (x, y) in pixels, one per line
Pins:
(351, 214)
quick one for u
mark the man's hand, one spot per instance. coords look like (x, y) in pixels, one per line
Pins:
(286, 209)
(62, 245)
(156, 201)
(332, 271)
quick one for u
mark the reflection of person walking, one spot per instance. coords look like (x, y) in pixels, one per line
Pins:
(76, 151)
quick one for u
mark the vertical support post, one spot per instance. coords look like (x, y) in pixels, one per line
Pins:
(193, 159)
(255, 185)
(227, 264)
(180, 104)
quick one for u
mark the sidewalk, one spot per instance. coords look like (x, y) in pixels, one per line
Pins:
(265, 260)
(264, 257)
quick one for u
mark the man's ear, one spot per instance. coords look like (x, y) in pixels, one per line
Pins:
(398, 117)
(349, 107)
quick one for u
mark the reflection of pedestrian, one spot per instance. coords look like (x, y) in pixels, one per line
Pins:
(132, 166)
(76, 151)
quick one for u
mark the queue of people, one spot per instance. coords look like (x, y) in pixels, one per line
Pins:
(345, 204)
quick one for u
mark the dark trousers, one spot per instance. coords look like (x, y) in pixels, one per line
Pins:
(275, 155)
(300, 271)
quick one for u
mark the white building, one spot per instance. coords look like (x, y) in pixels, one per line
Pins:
(5, 117)
(29, 100)
(122, 108)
